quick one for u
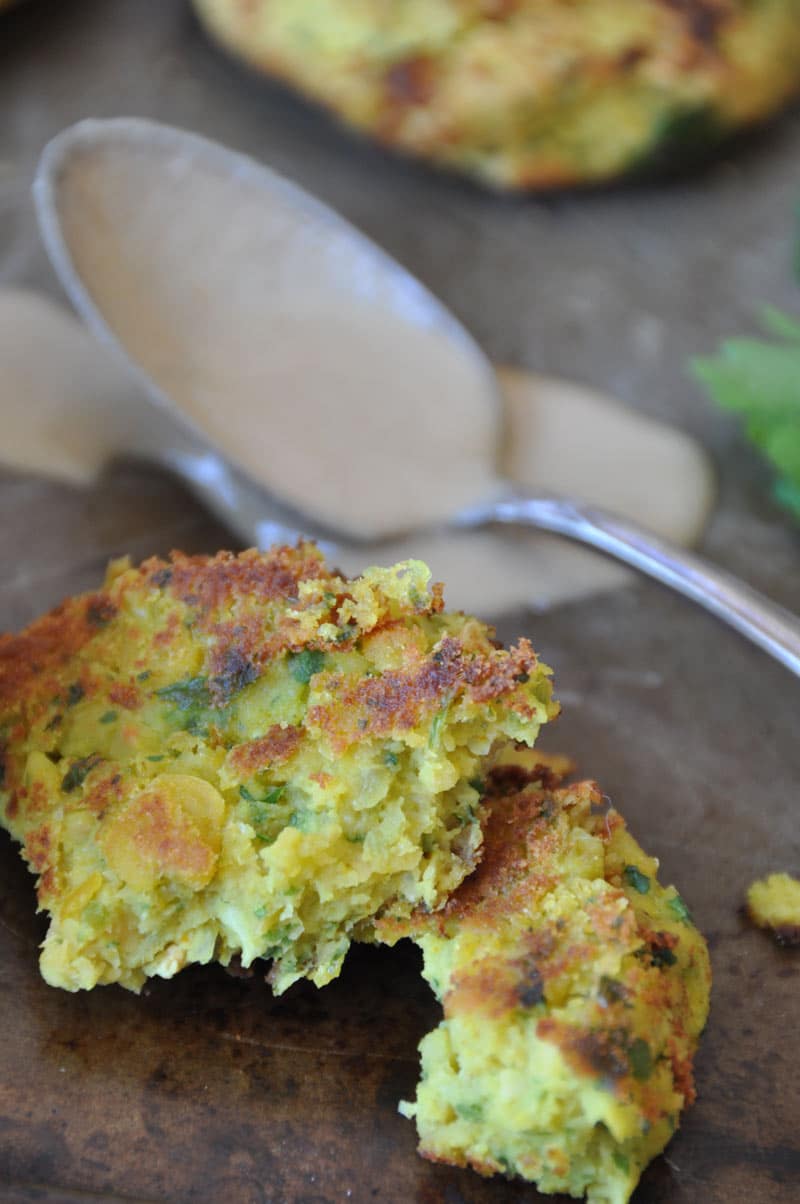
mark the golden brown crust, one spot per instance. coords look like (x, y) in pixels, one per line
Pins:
(271, 749)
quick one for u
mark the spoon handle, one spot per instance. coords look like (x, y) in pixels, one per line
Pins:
(770, 626)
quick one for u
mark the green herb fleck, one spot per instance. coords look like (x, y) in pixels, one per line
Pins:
(662, 955)
(636, 879)
(621, 1162)
(507, 1166)
(196, 727)
(390, 758)
(109, 717)
(271, 797)
(679, 909)
(143, 676)
(436, 726)
(640, 1059)
(467, 816)
(76, 774)
(74, 693)
(304, 665)
(472, 1112)
(191, 692)
(156, 757)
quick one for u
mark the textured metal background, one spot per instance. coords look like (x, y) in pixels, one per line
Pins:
(205, 1088)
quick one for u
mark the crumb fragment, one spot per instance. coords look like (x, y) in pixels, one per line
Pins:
(774, 903)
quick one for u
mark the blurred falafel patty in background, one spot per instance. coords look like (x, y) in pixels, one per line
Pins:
(529, 94)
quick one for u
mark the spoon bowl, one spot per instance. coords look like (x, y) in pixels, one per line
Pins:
(242, 302)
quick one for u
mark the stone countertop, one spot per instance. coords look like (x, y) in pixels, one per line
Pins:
(206, 1089)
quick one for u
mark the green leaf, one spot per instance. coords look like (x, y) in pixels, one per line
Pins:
(304, 665)
(635, 878)
(109, 717)
(760, 380)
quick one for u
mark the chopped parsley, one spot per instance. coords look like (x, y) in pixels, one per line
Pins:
(304, 665)
(662, 955)
(636, 879)
(472, 1112)
(78, 771)
(109, 716)
(621, 1162)
(269, 798)
(436, 726)
(679, 909)
(640, 1059)
(186, 694)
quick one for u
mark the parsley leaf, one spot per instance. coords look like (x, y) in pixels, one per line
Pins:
(760, 380)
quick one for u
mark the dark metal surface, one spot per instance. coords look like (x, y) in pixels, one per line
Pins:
(207, 1089)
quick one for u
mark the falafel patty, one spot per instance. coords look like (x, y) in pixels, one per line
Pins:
(249, 755)
(529, 93)
(574, 990)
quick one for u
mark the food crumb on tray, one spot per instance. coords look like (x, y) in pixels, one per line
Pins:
(774, 903)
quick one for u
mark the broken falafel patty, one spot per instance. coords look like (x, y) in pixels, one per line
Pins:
(574, 988)
(249, 756)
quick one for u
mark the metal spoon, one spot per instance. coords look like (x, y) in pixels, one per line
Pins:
(172, 439)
